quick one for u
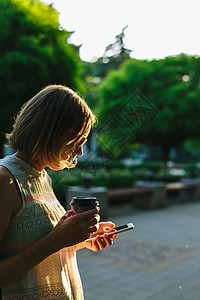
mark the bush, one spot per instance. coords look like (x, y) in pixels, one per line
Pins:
(113, 177)
(154, 166)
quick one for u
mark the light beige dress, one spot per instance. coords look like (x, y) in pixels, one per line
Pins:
(56, 277)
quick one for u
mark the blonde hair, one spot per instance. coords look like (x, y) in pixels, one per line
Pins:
(51, 122)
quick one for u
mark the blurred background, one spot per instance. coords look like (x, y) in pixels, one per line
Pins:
(137, 64)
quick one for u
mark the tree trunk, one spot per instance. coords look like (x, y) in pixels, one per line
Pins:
(166, 150)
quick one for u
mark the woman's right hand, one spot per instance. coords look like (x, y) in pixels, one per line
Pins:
(73, 230)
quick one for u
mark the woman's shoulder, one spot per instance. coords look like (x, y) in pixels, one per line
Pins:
(7, 204)
(5, 177)
(9, 195)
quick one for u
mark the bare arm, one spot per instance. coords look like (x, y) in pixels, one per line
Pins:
(68, 232)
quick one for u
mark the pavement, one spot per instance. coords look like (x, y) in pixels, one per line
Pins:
(158, 260)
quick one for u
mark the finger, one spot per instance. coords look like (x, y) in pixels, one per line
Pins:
(101, 242)
(108, 225)
(93, 229)
(67, 214)
(92, 221)
(110, 232)
(98, 218)
(87, 214)
(107, 239)
(95, 245)
(113, 236)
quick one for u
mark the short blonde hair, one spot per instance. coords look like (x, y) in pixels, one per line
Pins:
(55, 118)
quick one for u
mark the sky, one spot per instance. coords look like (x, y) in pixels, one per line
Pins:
(156, 28)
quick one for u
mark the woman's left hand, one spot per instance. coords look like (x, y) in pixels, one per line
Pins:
(103, 241)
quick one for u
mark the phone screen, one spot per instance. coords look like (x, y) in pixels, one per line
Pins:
(121, 227)
(118, 229)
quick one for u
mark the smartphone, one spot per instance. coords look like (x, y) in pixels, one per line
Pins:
(118, 229)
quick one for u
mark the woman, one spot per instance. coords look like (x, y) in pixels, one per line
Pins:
(38, 239)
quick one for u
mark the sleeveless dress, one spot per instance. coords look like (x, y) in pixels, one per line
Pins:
(57, 276)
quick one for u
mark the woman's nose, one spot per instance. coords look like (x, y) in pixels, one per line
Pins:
(78, 151)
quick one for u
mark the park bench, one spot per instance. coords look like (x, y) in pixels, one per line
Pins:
(178, 186)
(148, 197)
(144, 195)
(179, 192)
(117, 195)
(138, 196)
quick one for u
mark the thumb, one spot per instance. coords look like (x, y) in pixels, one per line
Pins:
(107, 225)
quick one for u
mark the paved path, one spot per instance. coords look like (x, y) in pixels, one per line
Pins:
(159, 260)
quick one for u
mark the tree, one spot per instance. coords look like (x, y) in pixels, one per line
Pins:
(156, 102)
(94, 72)
(116, 53)
(33, 53)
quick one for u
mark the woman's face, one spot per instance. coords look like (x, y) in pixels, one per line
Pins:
(70, 153)
(77, 149)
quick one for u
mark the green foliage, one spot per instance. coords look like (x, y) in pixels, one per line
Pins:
(169, 86)
(112, 178)
(116, 177)
(153, 166)
(93, 73)
(62, 179)
(33, 53)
